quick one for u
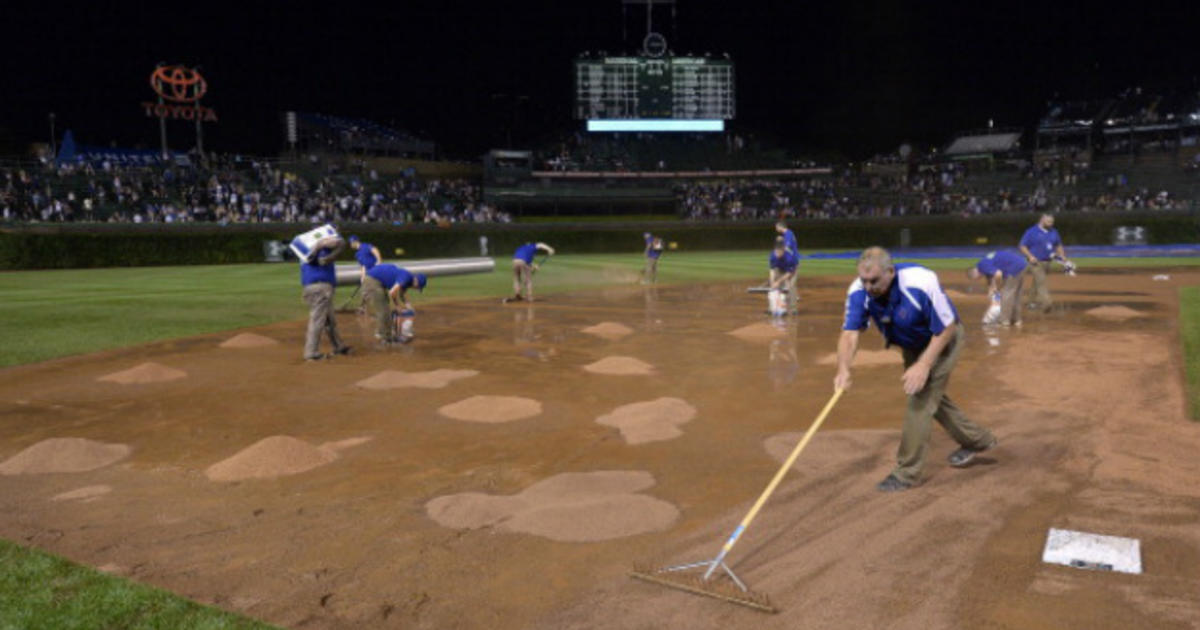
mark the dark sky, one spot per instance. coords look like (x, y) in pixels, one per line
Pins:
(850, 77)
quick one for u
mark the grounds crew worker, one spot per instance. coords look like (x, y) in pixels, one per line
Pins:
(1040, 244)
(1005, 272)
(654, 249)
(367, 256)
(318, 276)
(909, 307)
(386, 288)
(788, 236)
(524, 268)
(784, 265)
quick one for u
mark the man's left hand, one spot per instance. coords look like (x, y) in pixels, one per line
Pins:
(914, 378)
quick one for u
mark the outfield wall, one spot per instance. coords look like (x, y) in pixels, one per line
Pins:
(122, 245)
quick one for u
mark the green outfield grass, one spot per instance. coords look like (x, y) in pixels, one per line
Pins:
(50, 314)
(1189, 331)
(38, 590)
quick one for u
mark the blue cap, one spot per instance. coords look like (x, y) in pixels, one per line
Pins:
(354, 239)
(421, 281)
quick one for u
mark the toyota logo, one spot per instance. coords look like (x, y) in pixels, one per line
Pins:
(178, 84)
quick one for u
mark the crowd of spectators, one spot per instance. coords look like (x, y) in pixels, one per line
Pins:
(944, 190)
(235, 190)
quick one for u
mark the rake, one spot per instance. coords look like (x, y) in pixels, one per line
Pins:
(707, 584)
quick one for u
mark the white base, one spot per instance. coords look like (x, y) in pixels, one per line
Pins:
(1093, 551)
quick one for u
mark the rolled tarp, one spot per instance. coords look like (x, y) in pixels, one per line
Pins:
(433, 267)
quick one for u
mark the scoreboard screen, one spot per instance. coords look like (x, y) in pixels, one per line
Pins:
(654, 93)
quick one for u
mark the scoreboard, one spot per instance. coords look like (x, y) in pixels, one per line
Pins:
(654, 93)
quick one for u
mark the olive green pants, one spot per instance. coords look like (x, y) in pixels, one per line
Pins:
(932, 403)
(377, 299)
(319, 297)
(1039, 290)
(1010, 299)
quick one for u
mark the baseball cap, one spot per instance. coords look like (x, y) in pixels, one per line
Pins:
(354, 239)
(421, 280)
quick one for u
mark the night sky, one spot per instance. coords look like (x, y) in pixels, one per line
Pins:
(850, 78)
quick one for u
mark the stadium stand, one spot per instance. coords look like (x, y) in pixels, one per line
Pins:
(356, 135)
(231, 189)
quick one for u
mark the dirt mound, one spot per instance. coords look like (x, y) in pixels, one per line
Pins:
(867, 358)
(86, 493)
(276, 456)
(650, 421)
(149, 372)
(620, 366)
(1114, 313)
(758, 331)
(609, 330)
(436, 379)
(62, 455)
(571, 507)
(492, 409)
(248, 340)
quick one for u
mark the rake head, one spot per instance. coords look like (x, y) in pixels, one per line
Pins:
(716, 587)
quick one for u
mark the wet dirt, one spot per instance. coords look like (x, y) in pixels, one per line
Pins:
(1089, 413)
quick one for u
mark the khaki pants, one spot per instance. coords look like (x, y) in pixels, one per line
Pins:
(376, 300)
(319, 298)
(932, 403)
(1010, 299)
(1039, 290)
(522, 278)
(650, 271)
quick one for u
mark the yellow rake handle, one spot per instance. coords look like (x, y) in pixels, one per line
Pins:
(778, 477)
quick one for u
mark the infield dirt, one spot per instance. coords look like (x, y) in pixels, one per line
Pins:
(1089, 413)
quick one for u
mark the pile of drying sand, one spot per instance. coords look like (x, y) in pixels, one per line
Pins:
(276, 456)
(609, 330)
(758, 331)
(492, 409)
(85, 494)
(392, 379)
(248, 340)
(571, 507)
(650, 421)
(1114, 313)
(620, 366)
(867, 358)
(145, 373)
(62, 455)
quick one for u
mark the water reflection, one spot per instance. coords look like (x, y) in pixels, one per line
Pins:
(653, 317)
(783, 366)
(526, 337)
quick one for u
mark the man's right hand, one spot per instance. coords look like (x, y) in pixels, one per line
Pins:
(842, 380)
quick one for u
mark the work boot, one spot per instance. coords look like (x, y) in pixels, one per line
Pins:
(963, 456)
(893, 484)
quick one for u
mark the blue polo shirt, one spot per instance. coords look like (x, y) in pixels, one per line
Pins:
(365, 256)
(1041, 243)
(655, 248)
(913, 310)
(525, 252)
(390, 275)
(785, 263)
(1008, 263)
(789, 241)
(312, 273)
